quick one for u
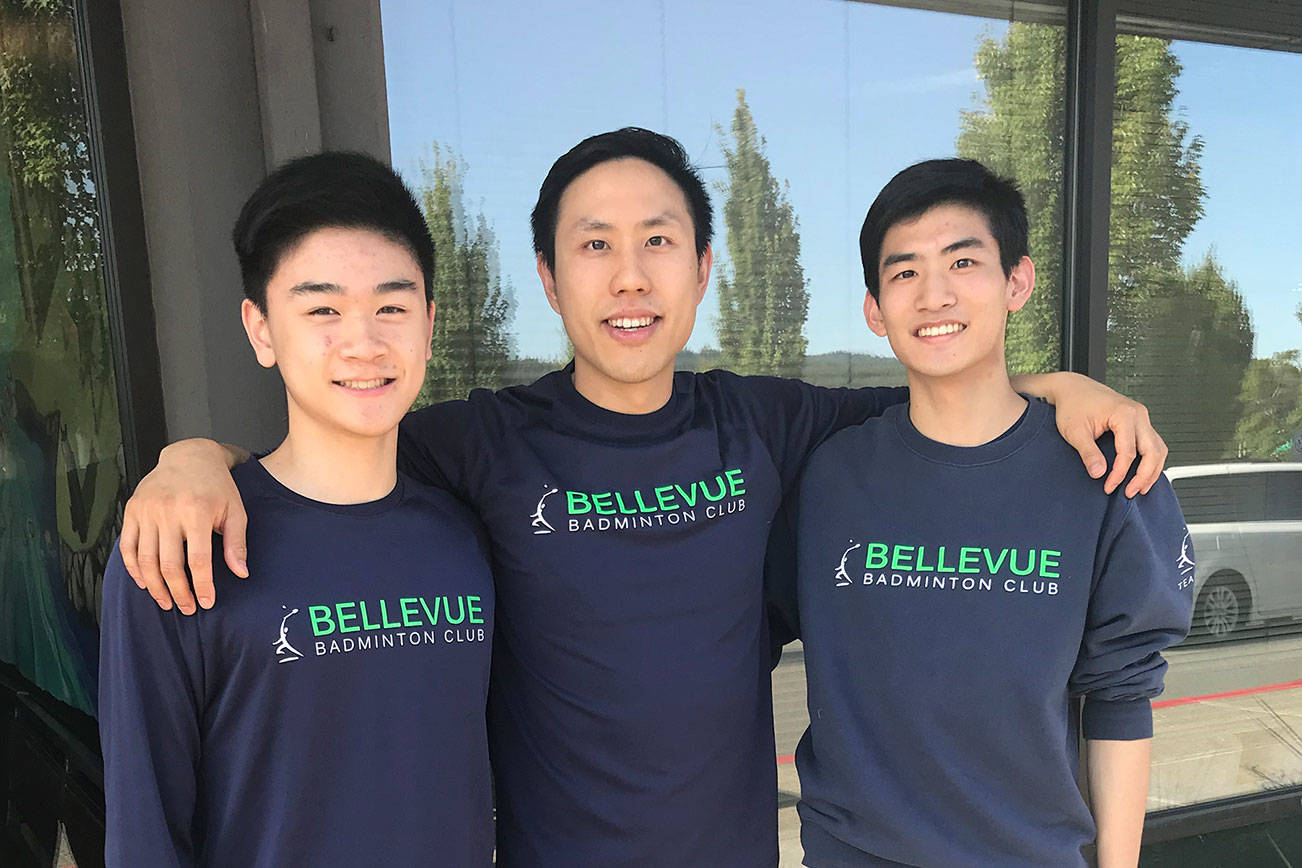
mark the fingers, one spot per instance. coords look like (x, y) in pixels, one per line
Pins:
(127, 542)
(1153, 453)
(147, 549)
(1090, 454)
(234, 544)
(171, 559)
(1121, 464)
(198, 555)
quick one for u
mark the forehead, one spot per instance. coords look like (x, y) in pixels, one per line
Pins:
(344, 251)
(937, 227)
(628, 187)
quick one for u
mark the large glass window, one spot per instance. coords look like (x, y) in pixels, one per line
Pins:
(1203, 326)
(61, 477)
(796, 111)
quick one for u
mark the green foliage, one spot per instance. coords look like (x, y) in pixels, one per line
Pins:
(1019, 134)
(1272, 406)
(1178, 341)
(763, 299)
(1189, 366)
(472, 341)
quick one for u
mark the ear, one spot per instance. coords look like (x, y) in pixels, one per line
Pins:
(872, 314)
(548, 284)
(703, 273)
(259, 333)
(429, 334)
(1021, 282)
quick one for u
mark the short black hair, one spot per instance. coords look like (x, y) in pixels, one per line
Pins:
(332, 189)
(659, 150)
(923, 186)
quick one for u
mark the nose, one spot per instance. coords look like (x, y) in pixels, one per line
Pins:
(630, 276)
(362, 338)
(934, 291)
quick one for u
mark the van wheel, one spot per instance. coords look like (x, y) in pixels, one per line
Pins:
(1222, 606)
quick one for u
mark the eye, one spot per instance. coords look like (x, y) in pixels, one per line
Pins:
(392, 308)
(905, 274)
(657, 241)
(597, 244)
(322, 311)
(964, 263)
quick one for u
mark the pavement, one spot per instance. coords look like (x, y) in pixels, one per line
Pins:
(1228, 724)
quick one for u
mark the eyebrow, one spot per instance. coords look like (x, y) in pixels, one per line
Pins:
(961, 244)
(309, 287)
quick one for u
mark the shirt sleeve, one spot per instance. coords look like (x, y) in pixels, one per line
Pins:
(794, 417)
(151, 691)
(1141, 602)
(448, 445)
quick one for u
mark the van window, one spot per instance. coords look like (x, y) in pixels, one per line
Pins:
(1222, 497)
(1284, 496)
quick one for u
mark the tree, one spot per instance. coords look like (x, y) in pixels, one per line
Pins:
(1272, 407)
(1176, 339)
(763, 295)
(1189, 367)
(60, 434)
(472, 342)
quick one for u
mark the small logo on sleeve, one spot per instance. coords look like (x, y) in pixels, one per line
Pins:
(285, 652)
(1185, 563)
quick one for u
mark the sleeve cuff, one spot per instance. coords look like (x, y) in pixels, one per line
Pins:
(1122, 720)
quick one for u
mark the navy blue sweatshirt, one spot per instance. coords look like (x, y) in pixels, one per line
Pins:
(952, 601)
(329, 712)
(630, 714)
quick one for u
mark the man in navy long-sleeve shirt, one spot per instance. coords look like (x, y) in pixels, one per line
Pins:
(960, 579)
(332, 712)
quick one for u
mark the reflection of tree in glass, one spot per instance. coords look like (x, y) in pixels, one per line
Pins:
(1272, 407)
(60, 434)
(763, 299)
(472, 342)
(1177, 339)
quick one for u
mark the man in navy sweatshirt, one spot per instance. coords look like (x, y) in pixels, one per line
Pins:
(962, 580)
(628, 508)
(331, 712)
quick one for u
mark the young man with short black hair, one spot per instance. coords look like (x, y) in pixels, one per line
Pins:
(961, 579)
(331, 712)
(628, 507)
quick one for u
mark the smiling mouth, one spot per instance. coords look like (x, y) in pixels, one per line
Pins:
(363, 385)
(631, 323)
(936, 331)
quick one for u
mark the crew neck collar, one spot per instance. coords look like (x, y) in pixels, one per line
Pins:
(253, 471)
(651, 425)
(1025, 429)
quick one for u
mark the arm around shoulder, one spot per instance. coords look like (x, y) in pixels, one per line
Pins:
(169, 521)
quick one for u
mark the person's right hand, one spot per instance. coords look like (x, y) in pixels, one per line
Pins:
(169, 523)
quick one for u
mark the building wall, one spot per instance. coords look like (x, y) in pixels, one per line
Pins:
(222, 91)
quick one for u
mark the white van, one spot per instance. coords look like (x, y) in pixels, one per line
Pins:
(1245, 522)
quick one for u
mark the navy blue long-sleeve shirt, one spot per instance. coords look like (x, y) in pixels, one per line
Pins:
(952, 601)
(630, 713)
(330, 711)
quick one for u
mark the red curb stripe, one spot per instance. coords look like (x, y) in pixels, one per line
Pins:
(785, 759)
(1229, 694)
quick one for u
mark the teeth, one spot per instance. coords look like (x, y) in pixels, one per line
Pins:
(934, 331)
(363, 384)
(631, 322)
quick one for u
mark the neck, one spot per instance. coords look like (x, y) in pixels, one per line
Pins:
(965, 410)
(331, 467)
(635, 399)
